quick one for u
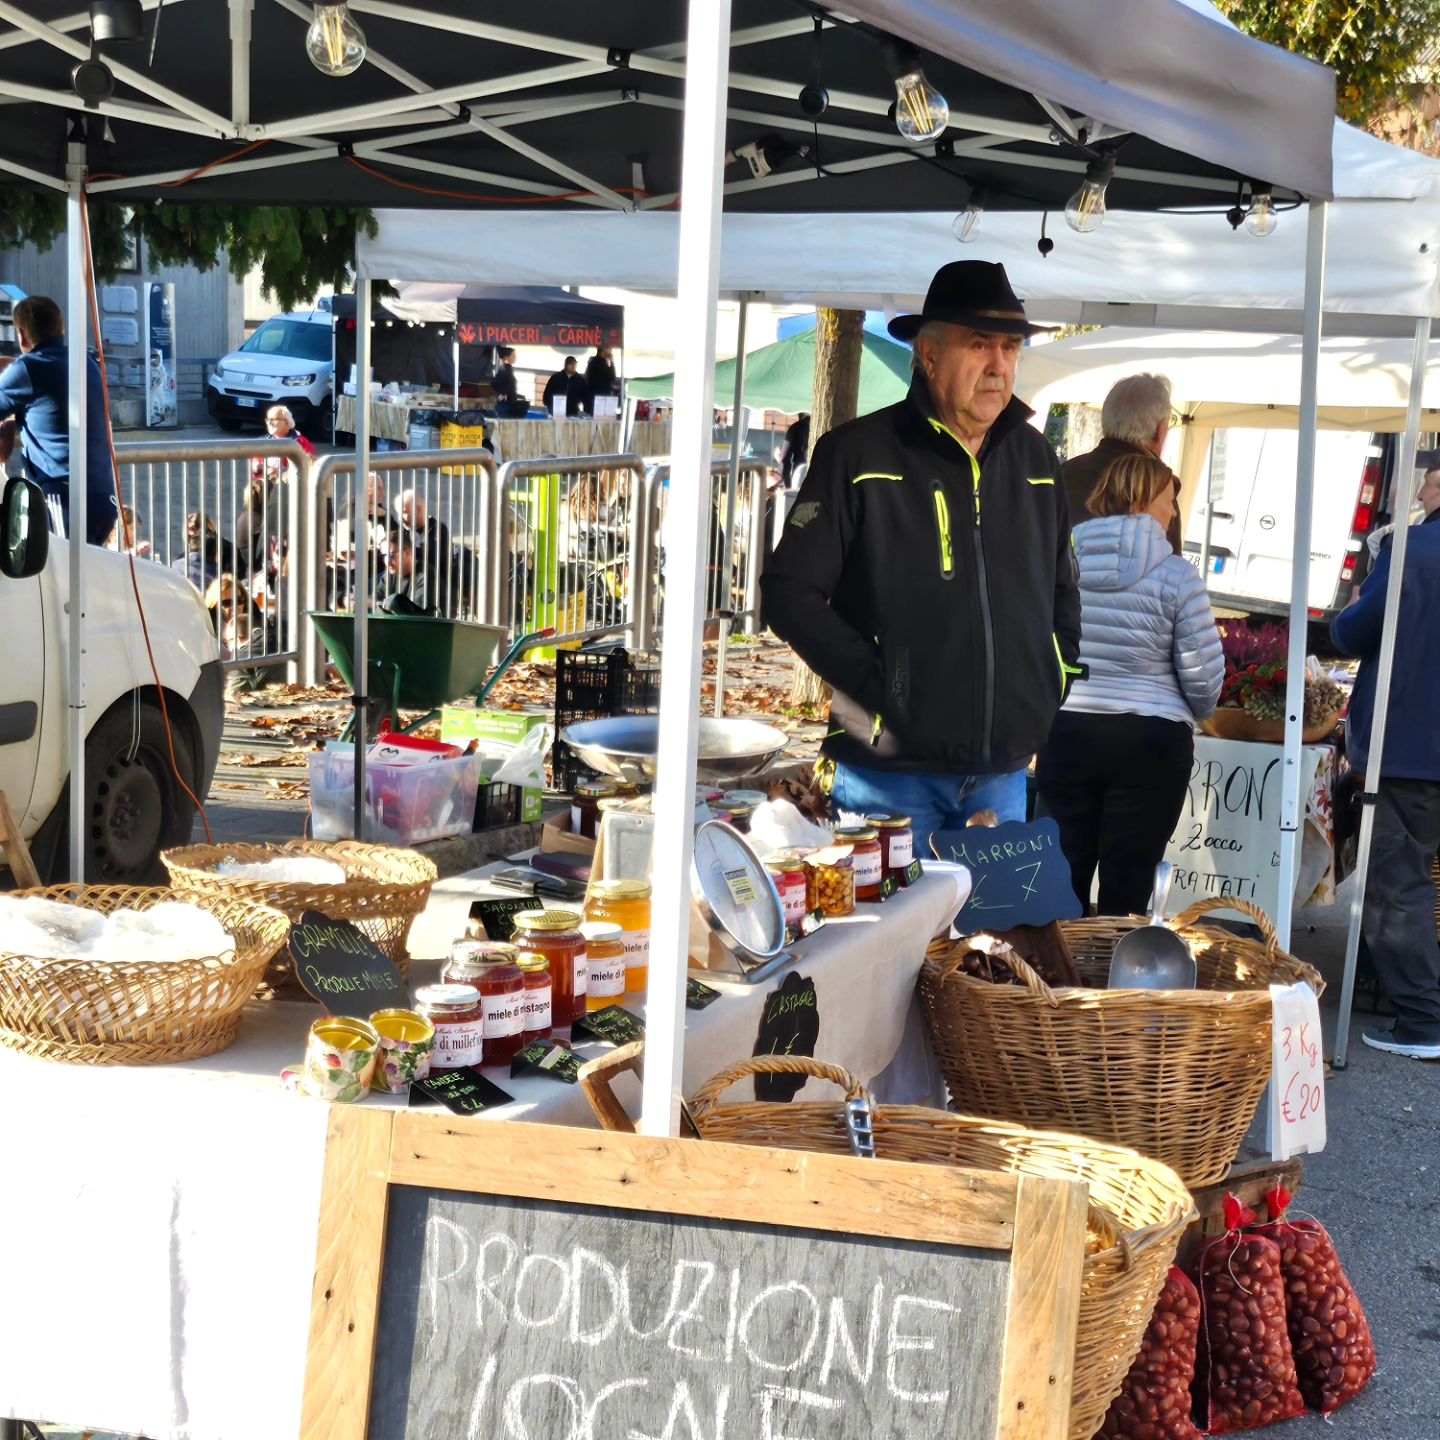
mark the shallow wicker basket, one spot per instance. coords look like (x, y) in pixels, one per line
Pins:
(384, 890)
(1174, 1074)
(136, 1012)
(1142, 1206)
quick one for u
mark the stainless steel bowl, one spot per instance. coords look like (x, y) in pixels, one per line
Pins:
(625, 746)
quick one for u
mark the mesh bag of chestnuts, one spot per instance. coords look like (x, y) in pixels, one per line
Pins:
(1245, 1369)
(1329, 1334)
(1155, 1402)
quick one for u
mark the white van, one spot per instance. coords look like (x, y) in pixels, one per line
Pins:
(135, 804)
(289, 360)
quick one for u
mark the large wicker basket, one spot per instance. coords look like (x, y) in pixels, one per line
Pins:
(1175, 1074)
(1139, 1208)
(136, 1012)
(384, 890)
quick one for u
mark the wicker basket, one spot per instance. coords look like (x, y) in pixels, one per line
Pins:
(1138, 1207)
(136, 1012)
(384, 890)
(1175, 1074)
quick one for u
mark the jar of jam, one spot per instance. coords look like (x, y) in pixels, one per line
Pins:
(605, 955)
(832, 880)
(555, 934)
(585, 805)
(897, 844)
(535, 1001)
(490, 966)
(627, 904)
(866, 858)
(739, 815)
(458, 1015)
(788, 873)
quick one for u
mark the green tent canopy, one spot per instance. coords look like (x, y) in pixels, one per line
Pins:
(781, 376)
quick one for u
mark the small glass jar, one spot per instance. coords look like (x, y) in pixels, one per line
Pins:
(833, 882)
(788, 873)
(752, 798)
(865, 858)
(627, 904)
(490, 966)
(605, 955)
(739, 815)
(585, 805)
(458, 1015)
(897, 844)
(555, 934)
(535, 1002)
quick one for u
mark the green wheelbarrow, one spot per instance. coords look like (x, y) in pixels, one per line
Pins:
(416, 662)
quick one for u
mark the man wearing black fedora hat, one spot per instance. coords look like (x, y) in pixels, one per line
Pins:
(925, 572)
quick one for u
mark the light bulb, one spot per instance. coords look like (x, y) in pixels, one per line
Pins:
(967, 222)
(921, 111)
(1085, 209)
(335, 43)
(1261, 219)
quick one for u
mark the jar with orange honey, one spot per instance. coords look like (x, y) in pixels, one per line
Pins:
(626, 903)
(555, 934)
(605, 957)
(490, 966)
(865, 858)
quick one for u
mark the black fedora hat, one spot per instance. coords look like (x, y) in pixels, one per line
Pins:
(976, 293)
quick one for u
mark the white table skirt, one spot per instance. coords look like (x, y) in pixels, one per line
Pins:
(160, 1221)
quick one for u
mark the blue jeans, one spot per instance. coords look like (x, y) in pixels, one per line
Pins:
(932, 801)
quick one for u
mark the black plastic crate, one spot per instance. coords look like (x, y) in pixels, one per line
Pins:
(591, 685)
(497, 804)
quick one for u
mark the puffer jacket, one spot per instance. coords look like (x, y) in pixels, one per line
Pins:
(1146, 631)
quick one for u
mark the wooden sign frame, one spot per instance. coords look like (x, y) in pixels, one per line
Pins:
(1039, 1221)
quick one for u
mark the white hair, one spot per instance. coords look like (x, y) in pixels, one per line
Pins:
(282, 410)
(930, 330)
(1136, 408)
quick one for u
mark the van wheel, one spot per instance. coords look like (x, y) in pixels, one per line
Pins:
(136, 806)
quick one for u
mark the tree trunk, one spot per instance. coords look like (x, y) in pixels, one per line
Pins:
(836, 399)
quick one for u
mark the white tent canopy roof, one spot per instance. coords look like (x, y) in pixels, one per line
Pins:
(1227, 379)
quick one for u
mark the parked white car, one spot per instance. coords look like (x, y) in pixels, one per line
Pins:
(136, 805)
(289, 361)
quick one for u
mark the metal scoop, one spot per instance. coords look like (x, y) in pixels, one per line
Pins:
(1153, 957)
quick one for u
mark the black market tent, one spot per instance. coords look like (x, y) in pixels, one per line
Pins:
(622, 107)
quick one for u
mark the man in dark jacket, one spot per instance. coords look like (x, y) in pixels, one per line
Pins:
(600, 373)
(1134, 420)
(926, 573)
(1398, 926)
(570, 384)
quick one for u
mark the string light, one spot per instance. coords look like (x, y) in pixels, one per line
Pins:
(1261, 219)
(335, 43)
(921, 112)
(1085, 210)
(967, 222)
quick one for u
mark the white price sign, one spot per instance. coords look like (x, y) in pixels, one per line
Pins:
(1297, 1073)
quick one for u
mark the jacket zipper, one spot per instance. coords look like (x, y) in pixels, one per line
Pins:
(942, 526)
(983, 585)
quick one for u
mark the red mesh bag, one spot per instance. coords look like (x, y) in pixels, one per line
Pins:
(1246, 1367)
(1329, 1334)
(1155, 1402)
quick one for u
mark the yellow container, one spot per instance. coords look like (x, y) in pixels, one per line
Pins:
(340, 1058)
(627, 904)
(454, 436)
(406, 1043)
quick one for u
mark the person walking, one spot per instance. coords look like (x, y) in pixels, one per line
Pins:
(1398, 924)
(35, 406)
(1116, 768)
(925, 573)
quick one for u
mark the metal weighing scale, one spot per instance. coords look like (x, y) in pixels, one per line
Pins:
(738, 899)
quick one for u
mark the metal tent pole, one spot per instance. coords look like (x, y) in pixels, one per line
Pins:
(1403, 491)
(360, 519)
(708, 48)
(727, 538)
(1292, 811)
(77, 315)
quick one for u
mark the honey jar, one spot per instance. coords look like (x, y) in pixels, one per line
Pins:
(585, 806)
(605, 956)
(555, 935)
(458, 1015)
(490, 966)
(865, 858)
(788, 873)
(535, 1002)
(627, 904)
(897, 844)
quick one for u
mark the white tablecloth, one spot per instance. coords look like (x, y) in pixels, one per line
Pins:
(160, 1221)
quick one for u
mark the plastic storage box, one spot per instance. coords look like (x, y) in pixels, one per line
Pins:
(406, 804)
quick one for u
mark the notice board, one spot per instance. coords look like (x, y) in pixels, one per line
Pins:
(512, 1280)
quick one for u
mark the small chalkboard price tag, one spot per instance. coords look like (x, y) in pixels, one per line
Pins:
(497, 917)
(698, 996)
(812, 921)
(1018, 874)
(889, 886)
(913, 872)
(346, 971)
(614, 1024)
(465, 1091)
(550, 1058)
(789, 1025)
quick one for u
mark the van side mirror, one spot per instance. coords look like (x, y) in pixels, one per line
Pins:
(24, 530)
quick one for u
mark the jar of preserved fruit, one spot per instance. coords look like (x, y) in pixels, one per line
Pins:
(605, 955)
(865, 858)
(832, 878)
(788, 873)
(458, 1015)
(897, 844)
(627, 904)
(535, 1002)
(585, 805)
(555, 934)
(490, 966)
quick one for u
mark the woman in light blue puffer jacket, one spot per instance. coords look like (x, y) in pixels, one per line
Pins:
(1115, 770)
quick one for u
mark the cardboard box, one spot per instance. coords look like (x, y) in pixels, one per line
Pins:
(557, 838)
(462, 723)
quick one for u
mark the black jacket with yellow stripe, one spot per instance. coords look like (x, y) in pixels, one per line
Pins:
(935, 591)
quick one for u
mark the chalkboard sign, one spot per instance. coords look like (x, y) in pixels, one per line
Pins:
(345, 970)
(497, 916)
(1018, 874)
(535, 1280)
(789, 1025)
(614, 1024)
